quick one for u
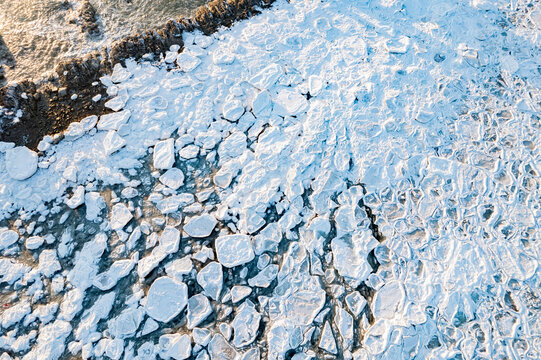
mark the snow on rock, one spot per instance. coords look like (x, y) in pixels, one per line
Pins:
(120, 216)
(173, 178)
(164, 154)
(166, 298)
(211, 279)
(198, 310)
(200, 226)
(234, 250)
(21, 162)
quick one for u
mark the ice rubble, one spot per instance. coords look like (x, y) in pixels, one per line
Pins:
(365, 175)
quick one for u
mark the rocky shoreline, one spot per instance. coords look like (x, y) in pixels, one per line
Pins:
(29, 110)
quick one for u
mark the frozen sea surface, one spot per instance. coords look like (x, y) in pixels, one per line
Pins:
(353, 180)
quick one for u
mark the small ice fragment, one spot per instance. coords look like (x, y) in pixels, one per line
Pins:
(114, 120)
(21, 162)
(189, 152)
(127, 323)
(166, 298)
(262, 104)
(233, 109)
(234, 250)
(77, 199)
(113, 142)
(388, 301)
(175, 346)
(94, 205)
(170, 240)
(200, 226)
(187, 62)
(179, 267)
(96, 98)
(223, 178)
(290, 103)
(246, 324)
(211, 279)
(173, 178)
(164, 154)
(120, 216)
(344, 323)
(201, 336)
(32, 243)
(48, 263)
(267, 77)
(198, 310)
(239, 292)
(315, 85)
(8, 238)
(327, 341)
(356, 303)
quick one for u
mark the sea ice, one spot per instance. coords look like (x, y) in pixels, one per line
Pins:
(114, 120)
(120, 216)
(164, 154)
(166, 298)
(246, 324)
(200, 226)
(234, 250)
(211, 279)
(173, 178)
(8, 238)
(21, 162)
(198, 310)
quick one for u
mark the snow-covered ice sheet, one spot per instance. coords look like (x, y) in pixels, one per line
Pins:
(350, 179)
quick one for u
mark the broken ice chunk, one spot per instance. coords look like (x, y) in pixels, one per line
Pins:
(189, 152)
(198, 310)
(175, 346)
(265, 277)
(170, 239)
(48, 263)
(344, 323)
(219, 349)
(233, 109)
(388, 301)
(234, 250)
(211, 279)
(127, 323)
(77, 199)
(164, 154)
(8, 238)
(187, 62)
(201, 336)
(246, 324)
(268, 239)
(113, 121)
(262, 104)
(21, 162)
(327, 341)
(166, 298)
(179, 267)
(267, 77)
(350, 257)
(290, 103)
(32, 243)
(315, 85)
(173, 178)
(356, 303)
(113, 142)
(94, 205)
(239, 292)
(200, 226)
(120, 216)
(233, 146)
